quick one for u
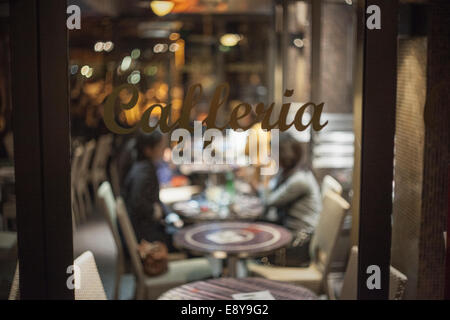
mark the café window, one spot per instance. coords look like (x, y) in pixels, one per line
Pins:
(241, 150)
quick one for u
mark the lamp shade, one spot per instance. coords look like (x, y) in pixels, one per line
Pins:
(161, 8)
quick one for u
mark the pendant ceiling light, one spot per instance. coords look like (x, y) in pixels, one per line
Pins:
(230, 39)
(161, 8)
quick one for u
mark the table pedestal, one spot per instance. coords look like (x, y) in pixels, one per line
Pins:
(236, 268)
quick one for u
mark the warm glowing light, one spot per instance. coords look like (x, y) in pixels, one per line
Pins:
(108, 46)
(98, 47)
(162, 91)
(349, 2)
(298, 43)
(173, 47)
(160, 47)
(230, 39)
(174, 36)
(179, 54)
(85, 70)
(134, 114)
(126, 63)
(90, 72)
(161, 8)
(157, 48)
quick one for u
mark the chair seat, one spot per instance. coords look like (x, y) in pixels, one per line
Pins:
(309, 277)
(180, 272)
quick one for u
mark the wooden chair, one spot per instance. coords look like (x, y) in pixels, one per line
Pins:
(330, 184)
(322, 247)
(115, 180)
(91, 287)
(98, 172)
(107, 205)
(82, 181)
(397, 281)
(180, 272)
(75, 165)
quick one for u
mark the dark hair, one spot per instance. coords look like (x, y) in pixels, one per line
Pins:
(291, 151)
(133, 150)
(147, 140)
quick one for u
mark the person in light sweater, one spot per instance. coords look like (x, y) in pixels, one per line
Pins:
(294, 201)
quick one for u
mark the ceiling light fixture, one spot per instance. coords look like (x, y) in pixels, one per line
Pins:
(161, 8)
(108, 46)
(98, 47)
(230, 39)
(299, 43)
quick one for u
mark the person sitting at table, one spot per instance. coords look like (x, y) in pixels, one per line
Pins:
(296, 199)
(141, 190)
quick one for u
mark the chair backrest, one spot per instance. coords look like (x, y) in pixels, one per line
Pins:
(397, 284)
(91, 287)
(114, 173)
(130, 237)
(76, 161)
(87, 276)
(86, 159)
(103, 151)
(330, 184)
(323, 242)
(77, 157)
(107, 205)
(349, 286)
(397, 280)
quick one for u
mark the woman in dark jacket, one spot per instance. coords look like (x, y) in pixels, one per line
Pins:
(140, 189)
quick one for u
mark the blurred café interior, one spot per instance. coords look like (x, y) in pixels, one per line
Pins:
(141, 224)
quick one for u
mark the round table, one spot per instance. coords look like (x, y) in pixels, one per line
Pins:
(224, 288)
(233, 240)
